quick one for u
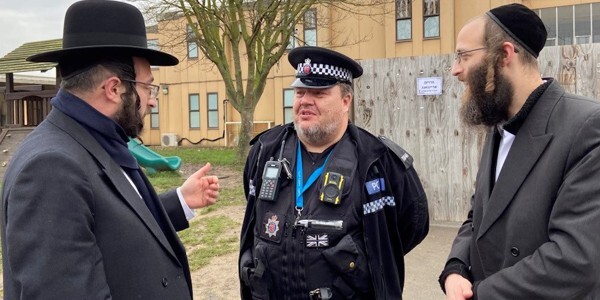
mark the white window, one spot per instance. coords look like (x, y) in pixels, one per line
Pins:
(213, 110)
(288, 103)
(431, 18)
(403, 20)
(194, 100)
(310, 27)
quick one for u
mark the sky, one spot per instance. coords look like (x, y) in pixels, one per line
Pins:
(23, 21)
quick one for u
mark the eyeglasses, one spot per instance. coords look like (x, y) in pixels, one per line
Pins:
(152, 87)
(458, 55)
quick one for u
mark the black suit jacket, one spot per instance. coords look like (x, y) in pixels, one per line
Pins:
(534, 235)
(73, 226)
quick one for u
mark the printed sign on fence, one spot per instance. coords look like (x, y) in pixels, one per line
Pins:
(429, 86)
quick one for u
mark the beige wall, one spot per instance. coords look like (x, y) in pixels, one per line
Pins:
(358, 36)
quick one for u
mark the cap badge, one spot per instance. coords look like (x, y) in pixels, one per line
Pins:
(306, 68)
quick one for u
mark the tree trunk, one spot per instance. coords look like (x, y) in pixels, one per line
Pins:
(246, 133)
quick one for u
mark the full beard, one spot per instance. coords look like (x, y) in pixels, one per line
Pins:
(486, 108)
(317, 134)
(128, 116)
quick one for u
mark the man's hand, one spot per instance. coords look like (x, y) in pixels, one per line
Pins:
(200, 190)
(458, 288)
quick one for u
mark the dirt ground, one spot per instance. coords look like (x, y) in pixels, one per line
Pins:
(219, 279)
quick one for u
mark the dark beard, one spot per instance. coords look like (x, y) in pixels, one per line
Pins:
(486, 108)
(128, 116)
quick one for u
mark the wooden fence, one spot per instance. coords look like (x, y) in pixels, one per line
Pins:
(447, 153)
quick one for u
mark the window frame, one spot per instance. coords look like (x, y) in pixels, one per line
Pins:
(310, 27)
(434, 14)
(408, 17)
(290, 107)
(209, 110)
(155, 113)
(191, 42)
(555, 36)
(192, 111)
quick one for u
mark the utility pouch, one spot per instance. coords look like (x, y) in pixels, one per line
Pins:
(350, 262)
(257, 277)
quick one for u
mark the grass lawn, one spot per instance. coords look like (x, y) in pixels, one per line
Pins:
(213, 232)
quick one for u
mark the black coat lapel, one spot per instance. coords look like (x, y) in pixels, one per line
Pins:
(113, 172)
(530, 142)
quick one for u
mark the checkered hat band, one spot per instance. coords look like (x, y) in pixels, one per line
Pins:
(326, 70)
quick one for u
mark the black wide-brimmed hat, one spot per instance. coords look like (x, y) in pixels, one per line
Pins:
(320, 68)
(99, 29)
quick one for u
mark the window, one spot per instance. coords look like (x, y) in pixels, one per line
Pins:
(596, 23)
(191, 43)
(548, 16)
(564, 17)
(310, 27)
(154, 117)
(292, 41)
(288, 103)
(153, 44)
(574, 24)
(431, 18)
(583, 24)
(194, 100)
(213, 110)
(403, 20)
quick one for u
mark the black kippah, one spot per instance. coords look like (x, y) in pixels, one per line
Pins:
(521, 24)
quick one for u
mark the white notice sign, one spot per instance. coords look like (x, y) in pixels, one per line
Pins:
(429, 86)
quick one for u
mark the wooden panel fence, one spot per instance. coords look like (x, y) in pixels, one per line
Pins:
(446, 152)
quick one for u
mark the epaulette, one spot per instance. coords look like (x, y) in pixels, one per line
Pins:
(406, 159)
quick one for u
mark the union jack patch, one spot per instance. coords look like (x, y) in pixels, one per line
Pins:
(317, 240)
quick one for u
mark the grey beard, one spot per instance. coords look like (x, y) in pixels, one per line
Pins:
(317, 135)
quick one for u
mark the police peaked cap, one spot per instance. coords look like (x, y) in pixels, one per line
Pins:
(522, 24)
(320, 68)
(97, 30)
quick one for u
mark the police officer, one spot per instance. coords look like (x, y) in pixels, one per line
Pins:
(331, 208)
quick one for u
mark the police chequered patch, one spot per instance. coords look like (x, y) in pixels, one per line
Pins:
(338, 73)
(379, 204)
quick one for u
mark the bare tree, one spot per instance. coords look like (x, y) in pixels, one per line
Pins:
(230, 33)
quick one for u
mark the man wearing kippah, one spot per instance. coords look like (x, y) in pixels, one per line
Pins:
(80, 220)
(532, 232)
(332, 209)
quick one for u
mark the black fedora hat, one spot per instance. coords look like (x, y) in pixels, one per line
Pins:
(102, 28)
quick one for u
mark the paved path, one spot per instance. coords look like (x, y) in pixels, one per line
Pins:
(425, 262)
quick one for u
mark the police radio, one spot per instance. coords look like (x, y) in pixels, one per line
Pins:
(332, 188)
(270, 181)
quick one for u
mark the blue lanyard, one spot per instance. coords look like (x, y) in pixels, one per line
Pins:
(301, 187)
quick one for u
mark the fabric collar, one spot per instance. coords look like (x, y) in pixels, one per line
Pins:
(514, 124)
(106, 131)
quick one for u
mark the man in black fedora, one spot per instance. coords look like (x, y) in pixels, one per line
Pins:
(532, 231)
(79, 218)
(332, 209)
